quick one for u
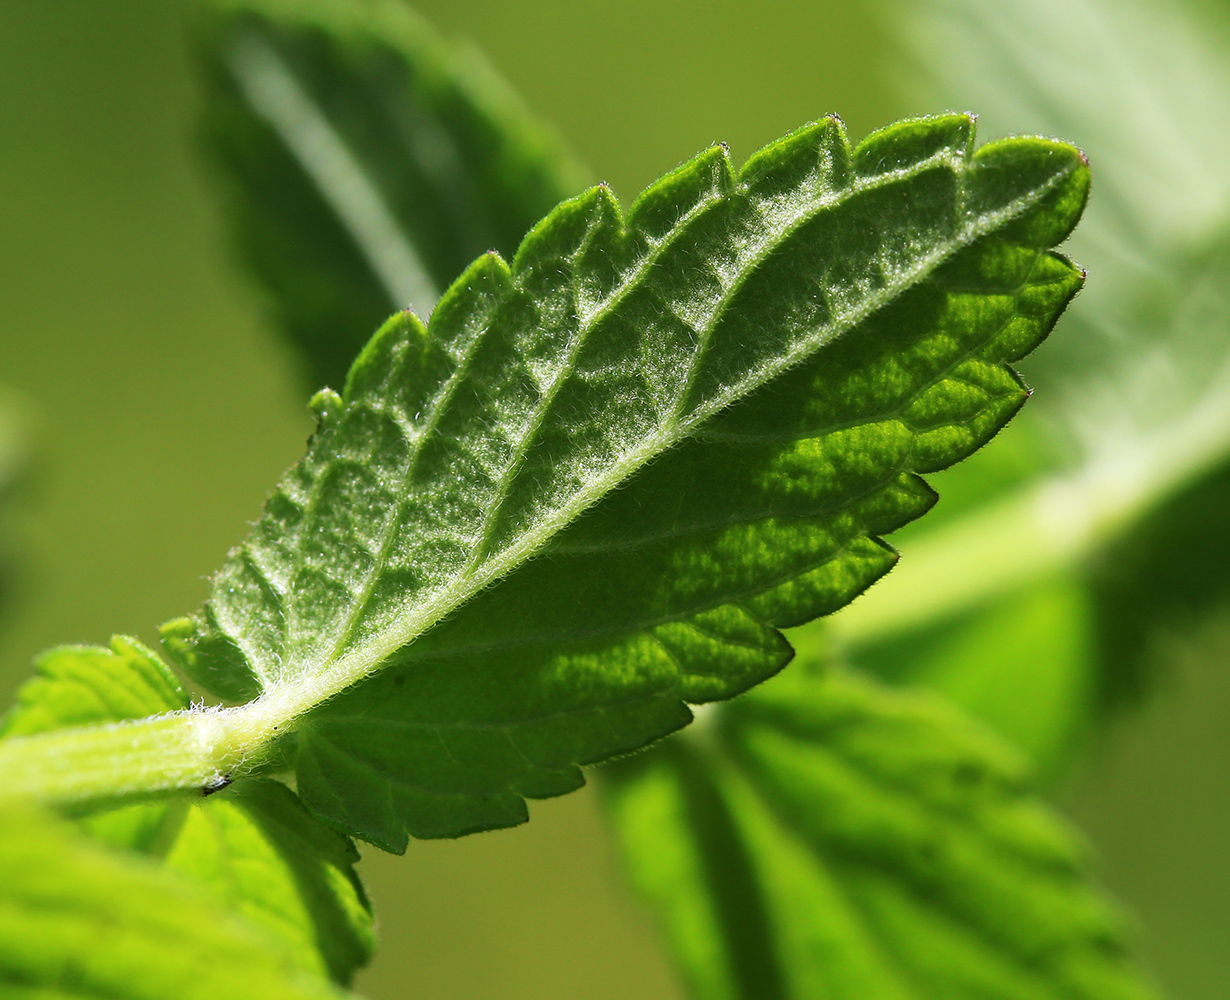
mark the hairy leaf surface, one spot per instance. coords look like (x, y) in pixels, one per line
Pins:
(827, 836)
(735, 387)
(367, 163)
(81, 923)
(251, 847)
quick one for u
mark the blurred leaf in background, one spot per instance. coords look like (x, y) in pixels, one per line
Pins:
(644, 85)
(1095, 525)
(827, 836)
(1092, 542)
(366, 163)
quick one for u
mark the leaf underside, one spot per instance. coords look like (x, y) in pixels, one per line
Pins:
(827, 836)
(600, 482)
(366, 163)
(252, 848)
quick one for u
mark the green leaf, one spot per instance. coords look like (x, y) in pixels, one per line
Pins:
(258, 851)
(366, 162)
(89, 685)
(1039, 694)
(827, 836)
(1132, 409)
(253, 847)
(600, 482)
(78, 922)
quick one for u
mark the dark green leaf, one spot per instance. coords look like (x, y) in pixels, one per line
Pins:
(367, 163)
(600, 482)
(829, 837)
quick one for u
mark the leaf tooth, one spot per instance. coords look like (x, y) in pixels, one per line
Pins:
(672, 198)
(1005, 166)
(905, 145)
(815, 157)
(568, 230)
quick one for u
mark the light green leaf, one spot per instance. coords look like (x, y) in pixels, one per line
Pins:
(602, 479)
(258, 851)
(829, 837)
(1041, 639)
(79, 922)
(88, 685)
(1133, 402)
(367, 163)
(252, 847)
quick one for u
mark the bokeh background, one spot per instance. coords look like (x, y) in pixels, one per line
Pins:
(158, 409)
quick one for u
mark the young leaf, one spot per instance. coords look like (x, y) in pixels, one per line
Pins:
(88, 685)
(253, 847)
(827, 836)
(1133, 402)
(367, 163)
(600, 481)
(77, 921)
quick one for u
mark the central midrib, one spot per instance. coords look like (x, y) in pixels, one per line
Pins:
(313, 686)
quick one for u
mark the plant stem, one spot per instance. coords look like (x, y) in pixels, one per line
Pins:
(118, 760)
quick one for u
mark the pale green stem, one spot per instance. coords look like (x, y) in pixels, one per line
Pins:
(198, 749)
(145, 756)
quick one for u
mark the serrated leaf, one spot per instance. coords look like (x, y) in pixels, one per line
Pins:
(827, 836)
(79, 922)
(1133, 409)
(90, 685)
(367, 162)
(252, 848)
(729, 393)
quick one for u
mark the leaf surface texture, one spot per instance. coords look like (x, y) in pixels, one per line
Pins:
(828, 836)
(602, 479)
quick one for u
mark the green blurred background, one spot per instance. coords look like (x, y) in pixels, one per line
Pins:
(160, 410)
